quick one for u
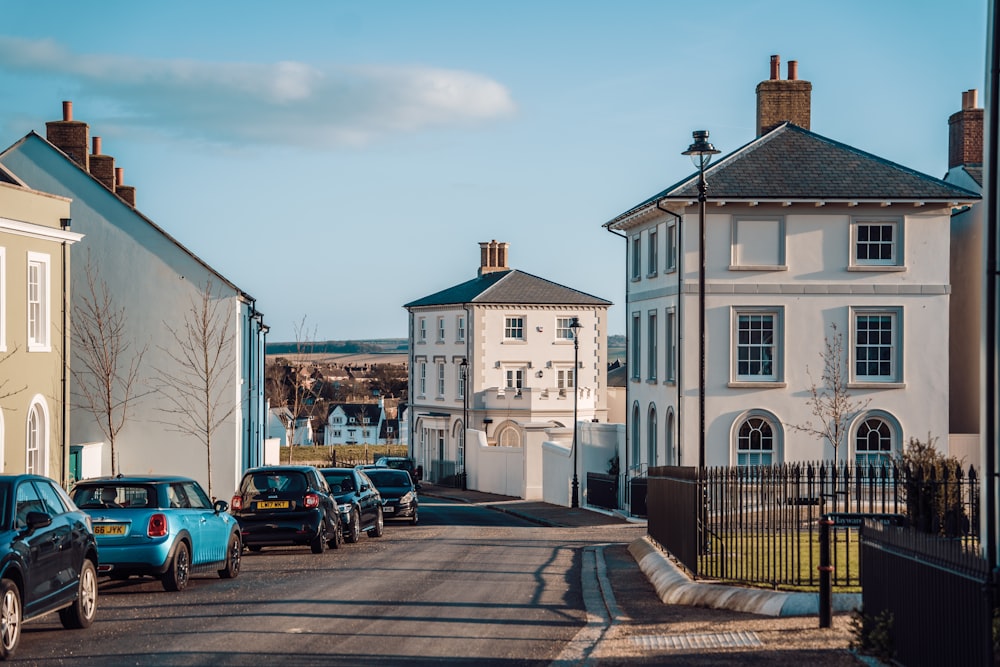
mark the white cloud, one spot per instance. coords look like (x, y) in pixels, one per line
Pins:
(277, 103)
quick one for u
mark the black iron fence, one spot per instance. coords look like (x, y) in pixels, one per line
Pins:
(602, 490)
(932, 594)
(759, 524)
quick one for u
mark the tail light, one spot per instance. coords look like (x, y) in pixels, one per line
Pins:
(157, 525)
(311, 500)
(237, 502)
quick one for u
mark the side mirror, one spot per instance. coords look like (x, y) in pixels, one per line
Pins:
(37, 520)
(221, 506)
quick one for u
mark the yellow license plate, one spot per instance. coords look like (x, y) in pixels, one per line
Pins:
(272, 504)
(109, 529)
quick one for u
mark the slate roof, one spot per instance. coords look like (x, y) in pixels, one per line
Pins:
(790, 163)
(509, 287)
(359, 411)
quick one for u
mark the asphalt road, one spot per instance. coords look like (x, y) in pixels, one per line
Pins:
(467, 586)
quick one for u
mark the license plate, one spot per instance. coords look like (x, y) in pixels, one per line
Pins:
(109, 529)
(388, 509)
(272, 504)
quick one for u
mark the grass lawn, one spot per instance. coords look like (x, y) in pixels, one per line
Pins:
(346, 455)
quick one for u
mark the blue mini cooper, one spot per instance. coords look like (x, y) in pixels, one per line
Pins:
(160, 526)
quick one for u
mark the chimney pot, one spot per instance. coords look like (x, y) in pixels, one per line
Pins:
(775, 67)
(119, 176)
(97, 146)
(67, 110)
(793, 70)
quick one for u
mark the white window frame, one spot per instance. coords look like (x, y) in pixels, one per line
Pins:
(746, 226)
(440, 379)
(39, 301)
(37, 437)
(895, 374)
(563, 329)
(460, 381)
(636, 346)
(637, 257)
(894, 263)
(866, 456)
(513, 378)
(513, 327)
(748, 456)
(441, 329)
(565, 379)
(422, 330)
(652, 253)
(670, 337)
(460, 328)
(777, 345)
(671, 251)
(653, 336)
(422, 379)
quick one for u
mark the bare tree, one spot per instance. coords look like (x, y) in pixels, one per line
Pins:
(106, 367)
(198, 385)
(303, 397)
(830, 402)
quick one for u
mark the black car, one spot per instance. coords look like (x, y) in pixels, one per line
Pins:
(48, 558)
(281, 505)
(400, 463)
(358, 500)
(399, 493)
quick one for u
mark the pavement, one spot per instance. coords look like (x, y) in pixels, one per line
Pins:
(707, 621)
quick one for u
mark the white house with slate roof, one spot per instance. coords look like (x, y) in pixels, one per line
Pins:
(513, 331)
(806, 239)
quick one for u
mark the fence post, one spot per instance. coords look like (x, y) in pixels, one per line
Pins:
(825, 573)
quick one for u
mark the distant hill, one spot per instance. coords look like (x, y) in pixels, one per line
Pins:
(375, 346)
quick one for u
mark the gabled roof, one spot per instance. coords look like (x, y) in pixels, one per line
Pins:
(792, 164)
(370, 410)
(509, 287)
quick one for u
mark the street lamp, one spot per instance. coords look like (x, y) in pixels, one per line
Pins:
(464, 370)
(701, 152)
(575, 326)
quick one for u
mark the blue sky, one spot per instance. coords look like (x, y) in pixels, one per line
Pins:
(339, 159)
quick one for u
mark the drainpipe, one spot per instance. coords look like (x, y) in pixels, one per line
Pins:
(680, 324)
(65, 223)
(627, 411)
(990, 221)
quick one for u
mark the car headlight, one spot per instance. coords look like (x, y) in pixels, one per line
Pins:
(345, 509)
(406, 498)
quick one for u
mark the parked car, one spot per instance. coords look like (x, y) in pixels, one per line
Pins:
(399, 493)
(281, 505)
(48, 558)
(358, 501)
(400, 463)
(162, 526)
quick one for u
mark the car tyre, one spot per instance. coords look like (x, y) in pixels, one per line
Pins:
(81, 613)
(177, 575)
(234, 553)
(354, 530)
(10, 618)
(414, 519)
(338, 535)
(379, 528)
(318, 543)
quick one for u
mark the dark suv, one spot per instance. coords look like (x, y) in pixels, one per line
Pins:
(358, 500)
(278, 505)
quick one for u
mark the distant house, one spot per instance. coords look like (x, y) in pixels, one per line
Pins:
(496, 353)
(355, 424)
(803, 234)
(156, 281)
(35, 249)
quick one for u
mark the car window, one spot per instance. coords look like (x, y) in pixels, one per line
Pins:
(26, 500)
(93, 496)
(196, 496)
(274, 480)
(177, 496)
(53, 503)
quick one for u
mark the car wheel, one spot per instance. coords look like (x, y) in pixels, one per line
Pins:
(379, 527)
(176, 576)
(338, 535)
(318, 543)
(81, 613)
(10, 618)
(413, 520)
(234, 552)
(354, 530)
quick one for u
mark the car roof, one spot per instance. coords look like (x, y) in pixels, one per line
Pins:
(134, 479)
(326, 470)
(280, 468)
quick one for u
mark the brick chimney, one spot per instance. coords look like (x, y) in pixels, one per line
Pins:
(965, 132)
(783, 100)
(69, 136)
(102, 167)
(492, 257)
(125, 192)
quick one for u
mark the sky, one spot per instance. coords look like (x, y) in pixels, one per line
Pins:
(338, 159)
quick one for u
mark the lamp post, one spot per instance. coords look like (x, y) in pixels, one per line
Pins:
(464, 370)
(575, 326)
(701, 152)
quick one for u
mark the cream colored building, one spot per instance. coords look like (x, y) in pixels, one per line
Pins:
(35, 240)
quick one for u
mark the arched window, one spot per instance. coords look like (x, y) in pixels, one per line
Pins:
(755, 441)
(636, 438)
(874, 441)
(37, 438)
(460, 440)
(509, 436)
(651, 437)
(668, 437)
